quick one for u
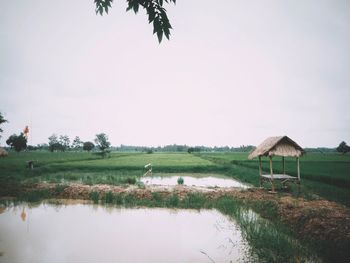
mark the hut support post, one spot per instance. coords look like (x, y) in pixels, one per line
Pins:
(298, 168)
(298, 174)
(284, 165)
(272, 181)
(260, 171)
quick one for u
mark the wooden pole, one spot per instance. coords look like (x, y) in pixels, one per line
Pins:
(260, 171)
(272, 181)
(284, 165)
(298, 169)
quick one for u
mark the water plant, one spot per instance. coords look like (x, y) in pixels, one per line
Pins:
(109, 198)
(94, 196)
(180, 181)
(34, 195)
(59, 188)
(173, 201)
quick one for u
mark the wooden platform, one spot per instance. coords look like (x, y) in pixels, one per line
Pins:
(279, 177)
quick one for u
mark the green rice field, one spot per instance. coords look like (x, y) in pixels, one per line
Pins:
(323, 175)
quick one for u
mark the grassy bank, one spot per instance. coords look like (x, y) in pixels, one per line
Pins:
(324, 175)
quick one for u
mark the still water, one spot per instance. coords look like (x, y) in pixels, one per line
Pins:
(208, 181)
(88, 233)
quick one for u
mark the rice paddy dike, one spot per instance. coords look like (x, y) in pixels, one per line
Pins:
(313, 224)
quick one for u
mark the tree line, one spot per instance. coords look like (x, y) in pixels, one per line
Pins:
(183, 148)
(63, 143)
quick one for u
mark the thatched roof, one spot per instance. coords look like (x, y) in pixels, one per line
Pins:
(280, 145)
(3, 152)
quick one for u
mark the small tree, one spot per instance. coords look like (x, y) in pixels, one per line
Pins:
(2, 120)
(65, 142)
(18, 142)
(88, 146)
(343, 148)
(102, 141)
(54, 144)
(77, 143)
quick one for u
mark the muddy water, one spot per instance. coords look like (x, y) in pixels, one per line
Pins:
(86, 233)
(209, 181)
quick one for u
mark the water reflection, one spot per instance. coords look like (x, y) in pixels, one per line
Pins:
(209, 181)
(86, 233)
(23, 214)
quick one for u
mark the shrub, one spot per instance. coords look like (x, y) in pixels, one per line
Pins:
(94, 196)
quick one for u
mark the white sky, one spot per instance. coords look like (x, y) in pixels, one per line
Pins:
(233, 73)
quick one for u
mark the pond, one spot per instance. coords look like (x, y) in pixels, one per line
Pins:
(93, 233)
(203, 180)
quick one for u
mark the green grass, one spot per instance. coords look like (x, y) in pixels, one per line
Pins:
(120, 168)
(324, 175)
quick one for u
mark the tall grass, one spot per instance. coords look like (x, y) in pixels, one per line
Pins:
(271, 242)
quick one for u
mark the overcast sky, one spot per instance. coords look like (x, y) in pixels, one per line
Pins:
(233, 73)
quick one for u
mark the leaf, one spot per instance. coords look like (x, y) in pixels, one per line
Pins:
(160, 36)
(136, 8)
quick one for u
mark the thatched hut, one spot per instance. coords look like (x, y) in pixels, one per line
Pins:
(3, 152)
(278, 146)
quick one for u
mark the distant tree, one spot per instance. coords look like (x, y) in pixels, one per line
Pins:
(43, 146)
(54, 144)
(77, 143)
(343, 148)
(32, 148)
(2, 120)
(193, 149)
(154, 9)
(88, 146)
(102, 141)
(65, 142)
(149, 151)
(18, 142)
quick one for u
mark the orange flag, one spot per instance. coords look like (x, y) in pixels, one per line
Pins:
(26, 131)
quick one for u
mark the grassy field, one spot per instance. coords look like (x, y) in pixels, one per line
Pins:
(88, 168)
(325, 175)
(322, 175)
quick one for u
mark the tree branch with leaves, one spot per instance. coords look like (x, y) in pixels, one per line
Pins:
(155, 11)
(2, 120)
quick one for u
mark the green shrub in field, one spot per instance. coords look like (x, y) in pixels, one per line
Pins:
(156, 197)
(131, 180)
(60, 188)
(35, 195)
(194, 200)
(109, 198)
(118, 199)
(180, 181)
(173, 201)
(94, 196)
